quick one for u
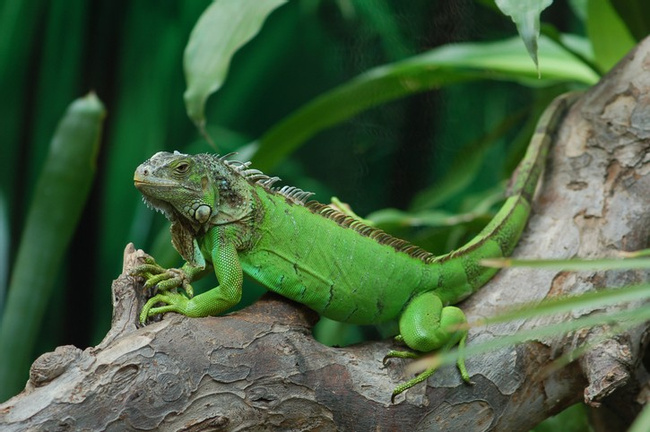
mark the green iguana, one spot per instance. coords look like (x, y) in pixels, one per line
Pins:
(226, 215)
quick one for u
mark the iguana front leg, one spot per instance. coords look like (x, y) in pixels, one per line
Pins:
(227, 294)
(426, 325)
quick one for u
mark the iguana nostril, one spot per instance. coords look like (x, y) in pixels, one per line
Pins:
(143, 171)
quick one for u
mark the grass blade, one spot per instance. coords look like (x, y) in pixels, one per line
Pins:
(624, 319)
(59, 198)
(571, 264)
(5, 235)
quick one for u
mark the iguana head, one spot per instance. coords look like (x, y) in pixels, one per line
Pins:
(195, 192)
(199, 190)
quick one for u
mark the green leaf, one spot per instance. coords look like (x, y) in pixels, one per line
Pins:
(21, 23)
(338, 334)
(59, 198)
(525, 14)
(433, 218)
(642, 422)
(224, 27)
(636, 16)
(378, 15)
(608, 34)
(574, 264)
(572, 419)
(503, 60)
(5, 235)
(579, 8)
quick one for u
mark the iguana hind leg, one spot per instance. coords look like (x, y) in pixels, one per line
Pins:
(427, 325)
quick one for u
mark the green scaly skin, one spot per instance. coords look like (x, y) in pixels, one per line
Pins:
(227, 216)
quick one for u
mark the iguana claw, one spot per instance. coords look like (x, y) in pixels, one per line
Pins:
(435, 364)
(163, 279)
(400, 354)
(175, 302)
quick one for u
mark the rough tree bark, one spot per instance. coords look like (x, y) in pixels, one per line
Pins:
(260, 369)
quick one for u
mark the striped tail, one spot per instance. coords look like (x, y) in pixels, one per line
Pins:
(462, 274)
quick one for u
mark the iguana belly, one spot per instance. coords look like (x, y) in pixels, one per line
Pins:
(374, 292)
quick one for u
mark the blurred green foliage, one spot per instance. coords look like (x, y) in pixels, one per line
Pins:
(66, 179)
(444, 146)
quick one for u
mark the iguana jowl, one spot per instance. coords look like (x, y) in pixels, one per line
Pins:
(228, 216)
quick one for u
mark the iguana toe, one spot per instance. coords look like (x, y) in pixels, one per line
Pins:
(174, 302)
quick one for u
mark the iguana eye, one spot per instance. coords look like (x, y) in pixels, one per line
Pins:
(182, 167)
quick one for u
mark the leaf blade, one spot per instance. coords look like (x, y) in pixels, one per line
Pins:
(525, 14)
(608, 33)
(224, 27)
(503, 60)
(59, 198)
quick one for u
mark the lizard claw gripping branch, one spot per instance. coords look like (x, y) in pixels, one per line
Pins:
(227, 216)
(166, 280)
(163, 279)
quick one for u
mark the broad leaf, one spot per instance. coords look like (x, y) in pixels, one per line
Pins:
(609, 36)
(525, 14)
(59, 198)
(636, 16)
(224, 27)
(503, 60)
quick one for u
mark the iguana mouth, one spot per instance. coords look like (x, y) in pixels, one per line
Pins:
(144, 177)
(146, 187)
(157, 183)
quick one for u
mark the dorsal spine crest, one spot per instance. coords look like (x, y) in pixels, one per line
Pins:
(300, 197)
(255, 176)
(376, 234)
